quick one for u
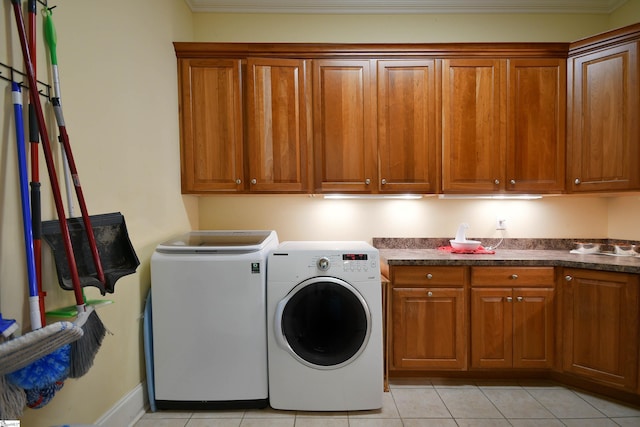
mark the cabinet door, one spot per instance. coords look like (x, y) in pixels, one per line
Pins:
(473, 101)
(344, 126)
(408, 119)
(429, 329)
(278, 143)
(536, 125)
(491, 328)
(533, 328)
(603, 139)
(600, 319)
(211, 125)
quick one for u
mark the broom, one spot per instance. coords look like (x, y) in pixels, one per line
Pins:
(83, 350)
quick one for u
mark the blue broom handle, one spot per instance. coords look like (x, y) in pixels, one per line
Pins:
(34, 302)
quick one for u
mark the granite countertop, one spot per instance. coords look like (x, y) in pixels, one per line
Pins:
(401, 252)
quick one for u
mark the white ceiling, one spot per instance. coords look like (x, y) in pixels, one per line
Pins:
(405, 6)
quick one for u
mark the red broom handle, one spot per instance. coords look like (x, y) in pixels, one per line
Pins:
(35, 100)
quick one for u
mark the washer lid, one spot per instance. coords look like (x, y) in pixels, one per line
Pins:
(217, 241)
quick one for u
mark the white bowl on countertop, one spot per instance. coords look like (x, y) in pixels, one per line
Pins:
(466, 245)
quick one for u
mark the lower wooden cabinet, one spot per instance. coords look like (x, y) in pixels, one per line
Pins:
(512, 312)
(600, 322)
(429, 322)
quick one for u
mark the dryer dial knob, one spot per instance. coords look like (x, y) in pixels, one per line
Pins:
(323, 263)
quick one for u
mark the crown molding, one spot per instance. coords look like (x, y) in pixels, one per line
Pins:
(406, 6)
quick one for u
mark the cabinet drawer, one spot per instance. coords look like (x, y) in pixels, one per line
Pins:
(429, 276)
(512, 276)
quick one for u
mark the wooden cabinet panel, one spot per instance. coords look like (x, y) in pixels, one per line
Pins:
(473, 103)
(536, 125)
(344, 126)
(211, 125)
(604, 153)
(600, 320)
(279, 124)
(533, 328)
(430, 276)
(491, 328)
(512, 276)
(429, 329)
(408, 125)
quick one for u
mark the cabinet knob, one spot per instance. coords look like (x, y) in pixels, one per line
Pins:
(514, 276)
(577, 181)
(512, 182)
(568, 278)
(367, 181)
(254, 181)
(238, 181)
(509, 299)
(519, 299)
(429, 294)
(384, 181)
(496, 182)
(429, 276)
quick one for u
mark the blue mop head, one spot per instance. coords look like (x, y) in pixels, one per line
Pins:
(44, 371)
(39, 397)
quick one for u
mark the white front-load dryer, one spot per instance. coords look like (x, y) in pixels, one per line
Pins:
(324, 326)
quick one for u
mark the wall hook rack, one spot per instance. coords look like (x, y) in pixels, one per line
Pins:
(10, 74)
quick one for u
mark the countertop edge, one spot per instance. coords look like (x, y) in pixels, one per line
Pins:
(542, 258)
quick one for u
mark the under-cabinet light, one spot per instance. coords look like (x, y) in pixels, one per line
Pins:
(373, 196)
(492, 196)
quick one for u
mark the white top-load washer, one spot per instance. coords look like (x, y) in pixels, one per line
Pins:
(209, 319)
(324, 327)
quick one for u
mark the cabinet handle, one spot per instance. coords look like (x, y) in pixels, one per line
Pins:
(514, 276)
(568, 278)
(512, 182)
(238, 181)
(254, 181)
(509, 299)
(496, 182)
(519, 299)
(367, 181)
(384, 181)
(429, 276)
(429, 294)
(577, 181)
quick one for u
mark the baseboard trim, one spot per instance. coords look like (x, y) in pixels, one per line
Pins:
(127, 410)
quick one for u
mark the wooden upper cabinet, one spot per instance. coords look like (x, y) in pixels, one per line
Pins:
(473, 101)
(210, 105)
(604, 153)
(344, 126)
(279, 139)
(536, 106)
(408, 125)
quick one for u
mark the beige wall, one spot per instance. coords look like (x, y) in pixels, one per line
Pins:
(119, 92)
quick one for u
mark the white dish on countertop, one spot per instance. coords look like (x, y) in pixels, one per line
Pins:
(466, 245)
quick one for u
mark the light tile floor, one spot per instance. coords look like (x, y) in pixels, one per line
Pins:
(436, 403)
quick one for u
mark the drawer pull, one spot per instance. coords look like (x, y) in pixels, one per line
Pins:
(429, 276)
(519, 299)
(514, 276)
(568, 278)
(509, 299)
(429, 294)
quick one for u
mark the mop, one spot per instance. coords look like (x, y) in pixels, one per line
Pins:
(12, 398)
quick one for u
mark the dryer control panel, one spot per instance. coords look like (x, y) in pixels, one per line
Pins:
(350, 263)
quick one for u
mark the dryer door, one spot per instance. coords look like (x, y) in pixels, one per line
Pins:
(324, 322)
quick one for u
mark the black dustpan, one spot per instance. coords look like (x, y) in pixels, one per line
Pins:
(116, 252)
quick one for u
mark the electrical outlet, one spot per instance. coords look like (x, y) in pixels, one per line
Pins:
(501, 223)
